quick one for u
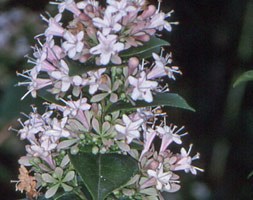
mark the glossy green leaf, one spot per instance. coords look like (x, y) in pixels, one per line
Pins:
(103, 173)
(146, 50)
(246, 76)
(160, 99)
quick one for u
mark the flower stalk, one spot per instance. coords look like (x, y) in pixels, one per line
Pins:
(109, 111)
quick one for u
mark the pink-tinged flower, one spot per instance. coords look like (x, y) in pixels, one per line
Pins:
(142, 88)
(62, 76)
(185, 162)
(148, 12)
(161, 69)
(83, 4)
(40, 61)
(54, 26)
(33, 84)
(69, 5)
(33, 125)
(130, 128)
(73, 107)
(121, 7)
(73, 44)
(79, 110)
(94, 80)
(158, 22)
(47, 56)
(109, 24)
(169, 135)
(57, 129)
(54, 52)
(165, 181)
(149, 136)
(108, 49)
(42, 149)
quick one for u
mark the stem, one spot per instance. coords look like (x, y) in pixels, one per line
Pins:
(80, 194)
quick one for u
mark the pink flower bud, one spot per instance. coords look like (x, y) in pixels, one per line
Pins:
(151, 9)
(133, 63)
(143, 38)
(153, 165)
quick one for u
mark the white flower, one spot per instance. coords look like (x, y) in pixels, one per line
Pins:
(184, 162)
(54, 27)
(73, 44)
(161, 69)
(142, 87)
(121, 7)
(94, 80)
(42, 57)
(165, 181)
(108, 49)
(73, 107)
(82, 4)
(149, 136)
(130, 128)
(68, 5)
(34, 83)
(62, 76)
(169, 135)
(57, 129)
(107, 24)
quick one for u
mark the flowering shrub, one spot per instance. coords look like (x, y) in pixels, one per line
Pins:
(103, 76)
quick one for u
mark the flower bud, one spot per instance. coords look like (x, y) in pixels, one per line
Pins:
(153, 165)
(82, 136)
(74, 150)
(95, 150)
(102, 150)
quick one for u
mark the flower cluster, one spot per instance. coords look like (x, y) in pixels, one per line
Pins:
(86, 108)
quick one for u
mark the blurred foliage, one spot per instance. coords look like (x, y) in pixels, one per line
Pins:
(246, 76)
(213, 45)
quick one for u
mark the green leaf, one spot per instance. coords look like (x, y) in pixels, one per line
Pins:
(246, 76)
(67, 196)
(103, 173)
(146, 50)
(160, 99)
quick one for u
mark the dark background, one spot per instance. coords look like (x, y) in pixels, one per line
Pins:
(213, 44)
